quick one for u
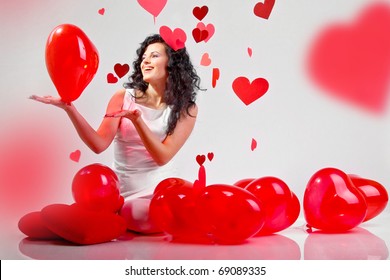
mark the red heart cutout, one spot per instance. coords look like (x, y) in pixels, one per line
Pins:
(332, 203)
(264, 10)
(175, 39)
(210, 156)
(215, 77)
(121, 70)
(111, 79)
(75, 156)
(199, 35)
(81, 226)
(200, 12)
(209, 28)
(102, 11)
(249, 92)
(200, 159)
(352, 61)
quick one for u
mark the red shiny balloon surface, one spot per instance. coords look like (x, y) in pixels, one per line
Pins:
(96, 187)
(375, 194)
(229, 214)
(71, 60)
(79, 225)
(332, 203)
(280, 204)
(172, 209)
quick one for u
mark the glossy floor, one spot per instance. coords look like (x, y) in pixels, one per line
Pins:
(368, 241)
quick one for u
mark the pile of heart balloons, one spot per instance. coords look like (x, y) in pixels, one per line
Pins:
(337, 202)
(222, 213)
(91, 219)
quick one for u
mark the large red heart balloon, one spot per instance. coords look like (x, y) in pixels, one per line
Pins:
(375, 194)
(332, 203)
(71, 60)
(32, 225)
(96, 187)
(172, 209)
(229, 214)
(76, 224)
(280, 204)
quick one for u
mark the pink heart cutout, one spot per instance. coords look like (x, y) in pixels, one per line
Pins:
(209, 28)
(205, 61)
(75, 156)
(175, 39)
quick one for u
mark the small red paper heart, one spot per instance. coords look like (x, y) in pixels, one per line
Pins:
(253, 144)
(200, 159)
(249, 92)
(210, 156)
(250, 52)
(111, 79)
(215, 77)
(264, 10)
(121, 70)
(75, 156)
(78, 225)
(101, 11)
(199, 35)
(175, 39)
(200, 12)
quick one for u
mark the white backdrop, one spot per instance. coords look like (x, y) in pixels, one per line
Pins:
(299, 128)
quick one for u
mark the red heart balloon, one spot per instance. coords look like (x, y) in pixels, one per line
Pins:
(375, 194)
(280, 204)
(96, 187)
(332, 203)
(71, 60)
(172, 209)
(76, 224)
(229, 214)
(32, 225)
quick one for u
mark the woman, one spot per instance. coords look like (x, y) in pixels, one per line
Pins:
(148, 121)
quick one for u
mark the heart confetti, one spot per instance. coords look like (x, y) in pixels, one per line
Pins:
(248, 91)
(121, 69)
(200, 12)
(215, 77)
(205, 61)
(264, 10)
(111, 79)
(175, 39)
(75, 156)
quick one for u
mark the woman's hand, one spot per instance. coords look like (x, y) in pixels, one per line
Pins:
(131, 115)
(51, 100)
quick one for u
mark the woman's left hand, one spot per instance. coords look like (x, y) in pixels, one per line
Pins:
(131, 115)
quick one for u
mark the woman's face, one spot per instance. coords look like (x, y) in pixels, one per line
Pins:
(154, 64)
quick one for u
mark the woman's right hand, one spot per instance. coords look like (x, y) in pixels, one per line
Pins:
(51, 100)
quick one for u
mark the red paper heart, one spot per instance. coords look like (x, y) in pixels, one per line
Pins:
(352, 61)
(121, 70)
(249, 92)
(78, 225)
(210, 156)
(332, 203)
(264, 10)
(102, 11)
(200, 159)
(215, 77)
(199, 35)
(75, 156)
(209, 28)
(111, 79)
(200, 12)
(175, 39)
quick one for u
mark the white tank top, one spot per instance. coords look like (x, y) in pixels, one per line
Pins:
(137, 171)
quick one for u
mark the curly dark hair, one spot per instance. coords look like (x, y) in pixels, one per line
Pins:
(182, 83)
